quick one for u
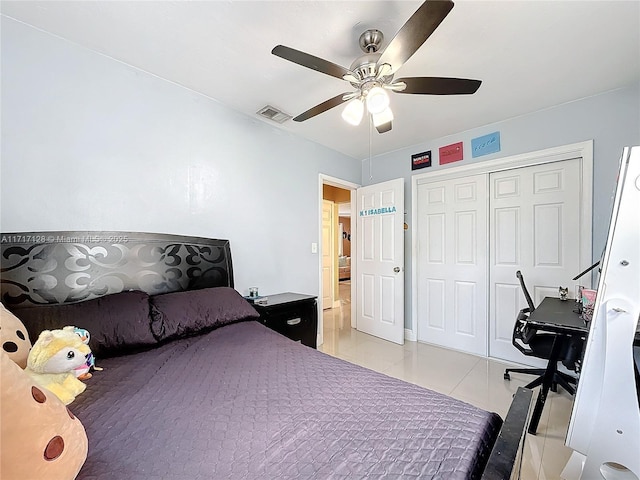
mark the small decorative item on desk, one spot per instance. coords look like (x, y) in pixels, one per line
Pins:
(564, 293)
(588, 303)
(253, 292)
(579, 293)
(578, 309)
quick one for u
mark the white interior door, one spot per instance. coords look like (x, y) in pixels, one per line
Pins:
(380, 260)
(535, 227)
(327, 254)
(452, 263)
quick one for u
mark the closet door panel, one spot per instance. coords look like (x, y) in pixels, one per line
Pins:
(452, 263)
(535, 228)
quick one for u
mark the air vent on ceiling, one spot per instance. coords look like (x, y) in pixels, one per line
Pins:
(274, 114)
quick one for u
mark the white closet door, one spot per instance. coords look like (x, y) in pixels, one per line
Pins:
(452, 263)
(534, 227)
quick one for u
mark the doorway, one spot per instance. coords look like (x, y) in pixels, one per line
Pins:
(376, 240)
(336, 249)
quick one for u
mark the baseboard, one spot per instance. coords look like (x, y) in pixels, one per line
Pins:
(410, 335)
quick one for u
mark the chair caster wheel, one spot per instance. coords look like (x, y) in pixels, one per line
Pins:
(507, 376)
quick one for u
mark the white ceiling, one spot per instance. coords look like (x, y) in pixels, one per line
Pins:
(530, 55)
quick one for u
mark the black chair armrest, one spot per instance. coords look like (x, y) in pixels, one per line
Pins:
(522, 333)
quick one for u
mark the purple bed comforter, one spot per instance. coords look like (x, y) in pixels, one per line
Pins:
(243, 402)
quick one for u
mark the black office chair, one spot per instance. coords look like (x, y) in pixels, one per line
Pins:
(537, 344)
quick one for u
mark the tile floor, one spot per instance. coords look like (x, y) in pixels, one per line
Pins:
(473, 379)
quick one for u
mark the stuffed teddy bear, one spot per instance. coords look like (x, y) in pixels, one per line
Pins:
(53, 360)
(14, 337)
(39, 436)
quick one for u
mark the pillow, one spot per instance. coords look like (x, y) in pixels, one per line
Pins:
(39, 436)
(118, 323)
(14, 337)
(180, 314)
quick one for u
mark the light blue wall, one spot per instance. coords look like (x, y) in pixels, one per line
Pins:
(89, 143)
(611, 120)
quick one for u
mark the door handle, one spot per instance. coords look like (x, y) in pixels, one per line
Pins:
(396, 269)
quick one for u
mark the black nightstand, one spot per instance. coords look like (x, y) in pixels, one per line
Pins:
(292, 314)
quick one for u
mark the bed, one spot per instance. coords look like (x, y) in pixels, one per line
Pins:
(194, 387)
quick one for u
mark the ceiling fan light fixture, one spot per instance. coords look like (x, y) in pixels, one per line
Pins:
(377, 100)
(353, 112)
(383, 117)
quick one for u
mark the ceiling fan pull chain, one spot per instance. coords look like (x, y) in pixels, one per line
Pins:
(370, 166)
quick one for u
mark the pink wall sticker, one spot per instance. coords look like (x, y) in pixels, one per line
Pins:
(451, 153)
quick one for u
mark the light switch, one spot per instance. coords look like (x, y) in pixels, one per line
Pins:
(314, 248)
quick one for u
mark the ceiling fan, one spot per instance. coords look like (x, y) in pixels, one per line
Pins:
(371, 74)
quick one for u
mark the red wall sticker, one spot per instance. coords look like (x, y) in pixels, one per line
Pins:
(451, 153)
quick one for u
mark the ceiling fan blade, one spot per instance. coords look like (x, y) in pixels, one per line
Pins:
(309, 61)
(384, 128)
(321, 108)
(415, 32)
(439, 85)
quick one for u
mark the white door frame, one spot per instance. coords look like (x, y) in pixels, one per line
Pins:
(583, 150)
(346, 185)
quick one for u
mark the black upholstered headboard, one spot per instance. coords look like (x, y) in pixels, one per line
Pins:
(49, 268)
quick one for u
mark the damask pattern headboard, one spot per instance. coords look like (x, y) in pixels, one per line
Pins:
(49, 268)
